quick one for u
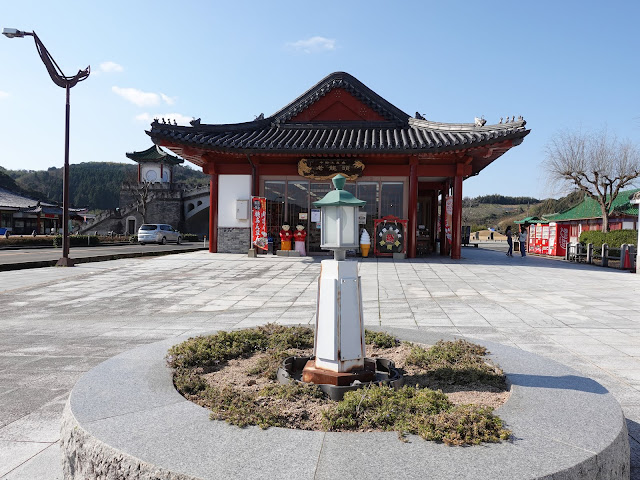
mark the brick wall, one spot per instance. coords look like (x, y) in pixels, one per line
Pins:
(233, 240)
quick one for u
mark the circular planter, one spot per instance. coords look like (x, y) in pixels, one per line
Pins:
(125, 420)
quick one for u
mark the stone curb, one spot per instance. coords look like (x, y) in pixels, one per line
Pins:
(95, 258)
(125, 420)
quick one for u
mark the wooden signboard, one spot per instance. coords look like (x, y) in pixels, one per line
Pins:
(327, 168)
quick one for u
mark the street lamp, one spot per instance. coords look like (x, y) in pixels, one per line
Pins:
(339, 342)
(60, 79)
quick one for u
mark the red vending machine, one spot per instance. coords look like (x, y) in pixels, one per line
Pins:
(537, 246)
(544, 242)
(558, 239)
(531, 239)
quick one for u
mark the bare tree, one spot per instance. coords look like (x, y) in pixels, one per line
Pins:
(597, 164)
(141, 194)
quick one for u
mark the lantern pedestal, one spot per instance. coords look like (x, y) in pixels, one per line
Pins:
(339, 343)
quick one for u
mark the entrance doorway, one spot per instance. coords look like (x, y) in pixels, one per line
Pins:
(291, 201)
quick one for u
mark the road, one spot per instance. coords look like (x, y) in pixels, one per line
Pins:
(34, 257)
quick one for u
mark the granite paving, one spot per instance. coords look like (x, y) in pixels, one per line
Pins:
(57, 323)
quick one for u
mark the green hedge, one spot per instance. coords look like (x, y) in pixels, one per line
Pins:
(614, 238)
(77, 240)
(26, 240)
(190, 237)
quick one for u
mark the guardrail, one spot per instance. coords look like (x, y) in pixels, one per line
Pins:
(625, 255)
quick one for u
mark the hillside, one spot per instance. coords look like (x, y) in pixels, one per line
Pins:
(497, 211)
(94, 185)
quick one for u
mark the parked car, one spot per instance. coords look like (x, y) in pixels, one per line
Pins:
(158, 233)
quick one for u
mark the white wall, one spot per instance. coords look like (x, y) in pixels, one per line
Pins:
(146, 167)
(230, 189)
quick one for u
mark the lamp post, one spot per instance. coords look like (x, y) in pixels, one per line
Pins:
(339, 347)
(60, 79)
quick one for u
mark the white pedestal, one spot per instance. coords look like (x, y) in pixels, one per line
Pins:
(339, 342)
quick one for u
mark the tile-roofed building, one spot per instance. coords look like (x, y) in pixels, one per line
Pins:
(22, 215)
(342, 126)
(154, 164)
(559, 228)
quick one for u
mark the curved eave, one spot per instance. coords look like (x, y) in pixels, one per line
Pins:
(276, 146)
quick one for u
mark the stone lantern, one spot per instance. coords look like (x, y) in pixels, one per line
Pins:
(339, 347)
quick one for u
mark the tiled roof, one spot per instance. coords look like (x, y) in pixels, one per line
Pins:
(154, 154)
(13, 200)
(398, 133)
(589, 208)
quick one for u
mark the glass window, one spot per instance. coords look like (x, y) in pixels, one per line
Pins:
(391, 199)
(347, 221)
(329, 224)
(274, 192)
(298, 202)
(370, 193)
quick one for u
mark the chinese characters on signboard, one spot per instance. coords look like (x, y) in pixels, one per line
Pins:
(327, 168)
(259, 222)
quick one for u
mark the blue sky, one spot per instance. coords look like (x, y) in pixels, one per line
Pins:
(560, 64)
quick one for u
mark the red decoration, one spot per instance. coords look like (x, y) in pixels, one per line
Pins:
(285, 235)
(299, 235)
(390, 236)
(259, 222)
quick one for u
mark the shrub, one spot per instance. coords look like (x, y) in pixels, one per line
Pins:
(27, 240)
(190, 237)
(379, 339)
(212, 350)
(77, 240)
(458, 362)
(614, 238)
(423, 412)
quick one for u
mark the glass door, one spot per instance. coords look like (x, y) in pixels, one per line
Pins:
(274, 192)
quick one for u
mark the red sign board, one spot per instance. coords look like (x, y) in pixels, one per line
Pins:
(50, 215)
(259, 222)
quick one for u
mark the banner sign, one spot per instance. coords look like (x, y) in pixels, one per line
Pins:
(448, 220)
(259, 222)
(327, 168)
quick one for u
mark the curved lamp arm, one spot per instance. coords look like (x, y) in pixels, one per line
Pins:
(55, 72)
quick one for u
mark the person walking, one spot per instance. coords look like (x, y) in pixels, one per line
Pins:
(522, 238)
(509, 241)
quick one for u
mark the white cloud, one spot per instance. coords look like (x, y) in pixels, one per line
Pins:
(314, 45)
(142, 99)
(3, 95)
(137, 97)
(168, 100)
(110, 67)
(178, 117)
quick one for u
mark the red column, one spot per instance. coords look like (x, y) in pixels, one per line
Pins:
(213, 213)
(434, 219)
(161, 171)
(412, 225)
(456, 227)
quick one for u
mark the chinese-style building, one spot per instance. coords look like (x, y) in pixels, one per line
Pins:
(400, 165)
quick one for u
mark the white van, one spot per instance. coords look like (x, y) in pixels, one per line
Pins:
(158, 233)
